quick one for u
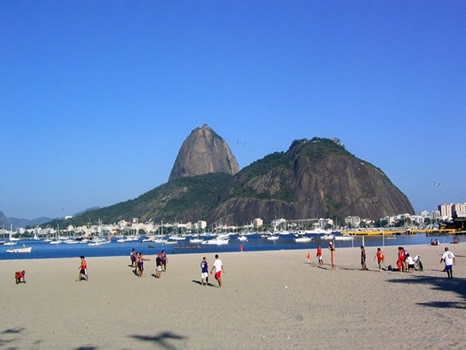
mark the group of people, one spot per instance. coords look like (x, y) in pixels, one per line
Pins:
(137, 262)
(405, 262)
(217, 267)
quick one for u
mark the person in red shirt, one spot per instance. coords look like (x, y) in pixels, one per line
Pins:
(380, 258)
(401, 259)
(20, 276)
(83, 270)
(319, 255)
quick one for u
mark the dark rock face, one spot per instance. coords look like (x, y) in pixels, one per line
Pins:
(313, 179)
(203, 152)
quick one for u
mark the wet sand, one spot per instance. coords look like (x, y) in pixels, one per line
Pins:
(270, 300)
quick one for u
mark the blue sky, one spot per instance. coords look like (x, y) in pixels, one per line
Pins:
(96, 97)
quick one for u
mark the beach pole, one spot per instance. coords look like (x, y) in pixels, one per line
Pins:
(383, 238)
(363, 241)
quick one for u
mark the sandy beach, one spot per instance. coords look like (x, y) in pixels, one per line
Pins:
(270, 300)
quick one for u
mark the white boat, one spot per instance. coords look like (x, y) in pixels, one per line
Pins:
(196, 240)
(216, 241)
(177, 238)
(344, 238)
(56, 242)
(71, 241)
(9, 243)
(20, 250)
(303, 239)
(93, 244)
(272, 238)
(317, 231)
(327, 237)
(242, 238)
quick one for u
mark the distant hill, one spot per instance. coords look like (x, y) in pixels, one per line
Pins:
(7, 221)
(85, 211)
(314, 178)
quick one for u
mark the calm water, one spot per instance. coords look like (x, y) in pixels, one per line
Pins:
(41, 250)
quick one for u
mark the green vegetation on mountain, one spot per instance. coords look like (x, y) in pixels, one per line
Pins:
(185, 199)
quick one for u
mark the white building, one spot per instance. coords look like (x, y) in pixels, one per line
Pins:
(460, 210)
(446, 211)
(257, 223)
(352, 221)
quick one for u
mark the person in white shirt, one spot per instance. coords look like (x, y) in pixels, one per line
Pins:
(410, 261)
(449, 259)
(218, 266)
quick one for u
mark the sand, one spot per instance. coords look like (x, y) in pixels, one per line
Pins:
(270, 300)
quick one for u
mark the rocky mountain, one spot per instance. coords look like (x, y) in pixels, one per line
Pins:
(203, 152)
(314, 178)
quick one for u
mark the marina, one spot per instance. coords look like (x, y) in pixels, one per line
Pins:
(116, 246)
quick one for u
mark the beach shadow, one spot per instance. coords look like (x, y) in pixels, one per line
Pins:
(86, 348)
(7, 333)
(13, 331)
(455, 285)
(200, 283)
(161, 339)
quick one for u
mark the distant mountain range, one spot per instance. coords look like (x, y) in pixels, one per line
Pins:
(8, 222)
(313, 178)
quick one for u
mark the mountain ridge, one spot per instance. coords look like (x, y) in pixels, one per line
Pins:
(313, 178)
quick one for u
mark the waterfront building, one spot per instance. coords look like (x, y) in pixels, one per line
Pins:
(353, 221)
(257, 223)
(460, 210)
(446, 211)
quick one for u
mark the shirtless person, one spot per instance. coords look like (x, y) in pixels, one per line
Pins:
(218, 266)
(363, 258)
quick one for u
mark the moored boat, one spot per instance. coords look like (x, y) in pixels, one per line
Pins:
(303, 240)
(20, 250)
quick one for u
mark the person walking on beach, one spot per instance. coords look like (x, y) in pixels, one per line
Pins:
(83, 270)
(140, 264)
(218, 266)
(319, 255)
(132, 257)
(380, 257)
(164, 260)
(332, 255)
(363, 258)
(449, 258)
(204, 272)
(158, 266)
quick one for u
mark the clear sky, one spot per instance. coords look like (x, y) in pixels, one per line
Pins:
(96, 97)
